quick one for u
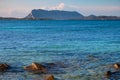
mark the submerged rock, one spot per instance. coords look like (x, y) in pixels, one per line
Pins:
(56, 65)
(108, 74)
(36, 68)
(3, 67)
(49, 77)
(113, 75)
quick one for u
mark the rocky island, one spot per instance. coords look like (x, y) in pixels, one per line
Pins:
(54, 15)
(40, 14)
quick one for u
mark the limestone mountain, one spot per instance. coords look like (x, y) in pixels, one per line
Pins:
(54, 14)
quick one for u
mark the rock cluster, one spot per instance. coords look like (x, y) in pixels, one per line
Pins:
(34, 67)
(114, 75)
(38, 68)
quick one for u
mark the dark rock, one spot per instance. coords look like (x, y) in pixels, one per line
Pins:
(36, 68)
(108, 74)
(3, 67)
(55, 65)
(49, 77)
(55, 68)
(113, 75)
(51, 64)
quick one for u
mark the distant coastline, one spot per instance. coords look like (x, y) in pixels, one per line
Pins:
(39, 14)
(86, 18)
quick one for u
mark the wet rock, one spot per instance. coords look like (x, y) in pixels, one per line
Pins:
(113, 75)
(116, 66)
(108, 74)
(36, 68)
(3, 67)
(49, 77)
(49, 68)
(49, 65)
(55, 65)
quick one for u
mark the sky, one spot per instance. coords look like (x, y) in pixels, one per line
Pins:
(21, 8)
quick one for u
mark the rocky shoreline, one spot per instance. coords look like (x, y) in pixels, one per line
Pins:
(36, 68)
(47, 70)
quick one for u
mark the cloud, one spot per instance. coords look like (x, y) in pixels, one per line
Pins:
(22, 11)
(58, 7)
(15, 12)
(97, 10)
(42, 7)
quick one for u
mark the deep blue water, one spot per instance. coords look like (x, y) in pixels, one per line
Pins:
(26, 41)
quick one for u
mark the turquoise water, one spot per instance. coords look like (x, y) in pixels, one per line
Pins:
(82, 44)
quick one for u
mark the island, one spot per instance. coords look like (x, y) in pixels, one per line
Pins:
(40, 14)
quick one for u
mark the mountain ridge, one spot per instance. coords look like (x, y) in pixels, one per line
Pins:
(54, 14)
(40, 14)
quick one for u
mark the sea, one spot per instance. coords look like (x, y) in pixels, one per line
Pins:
(87, 48)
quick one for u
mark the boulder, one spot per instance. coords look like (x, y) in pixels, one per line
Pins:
(3, 67)
(36, 67)
(49, 77)
(116, 66)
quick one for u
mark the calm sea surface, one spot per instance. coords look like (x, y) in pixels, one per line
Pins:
(83, 45)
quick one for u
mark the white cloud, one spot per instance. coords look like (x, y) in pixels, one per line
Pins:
(43, 7)
(98, 10)
(58, 7)
(15, 12)
(85, 10)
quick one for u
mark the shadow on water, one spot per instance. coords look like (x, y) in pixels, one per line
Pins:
(115, 75)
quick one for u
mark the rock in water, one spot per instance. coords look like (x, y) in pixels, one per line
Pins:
(49, 77)
(108, 74)
(113, 75)
(116, 66)
(36, 67)
(3, 67)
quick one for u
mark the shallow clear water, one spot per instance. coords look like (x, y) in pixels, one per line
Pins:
(83, 45)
